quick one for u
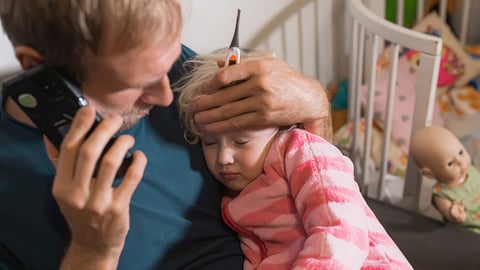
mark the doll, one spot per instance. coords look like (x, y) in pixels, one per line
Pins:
(442, 157)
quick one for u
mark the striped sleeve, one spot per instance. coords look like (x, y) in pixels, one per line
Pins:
(340, 227)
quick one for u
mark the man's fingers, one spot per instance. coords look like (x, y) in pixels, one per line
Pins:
(67, 156)
(93, 146)
(227, 111)
(221, 63)
(132, 178)
(238, 122)
(223, 96)
(101, 191)
(228, 75)
(52, 151)
(111, 162)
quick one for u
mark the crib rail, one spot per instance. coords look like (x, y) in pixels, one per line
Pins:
(368, 30)
(420, 12)
(303, 35)
(299, 33)
(442, 12)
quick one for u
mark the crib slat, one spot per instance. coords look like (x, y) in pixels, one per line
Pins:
(359, 42)
(369, 112)
(352, 94)
(464, 23)
(420, 10)
(400, 11)
(393, 67)
(422, 116)
(443, 10)
(358, 82)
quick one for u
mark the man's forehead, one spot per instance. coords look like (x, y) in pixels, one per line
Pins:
(134, 67)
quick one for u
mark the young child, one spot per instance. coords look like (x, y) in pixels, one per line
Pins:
(441, 156)
(290, 195)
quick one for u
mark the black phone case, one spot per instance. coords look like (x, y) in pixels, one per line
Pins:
(51, 102)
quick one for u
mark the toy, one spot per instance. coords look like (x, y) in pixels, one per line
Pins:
(441, 156)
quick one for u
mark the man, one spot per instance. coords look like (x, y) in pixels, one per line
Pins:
(163, 214)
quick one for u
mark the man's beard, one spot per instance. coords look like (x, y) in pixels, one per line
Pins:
(131, 117)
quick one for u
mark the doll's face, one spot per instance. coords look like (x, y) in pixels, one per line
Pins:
(450, 164)
(448, 159)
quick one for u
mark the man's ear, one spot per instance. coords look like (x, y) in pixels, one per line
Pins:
(427, 172)
(28, 57)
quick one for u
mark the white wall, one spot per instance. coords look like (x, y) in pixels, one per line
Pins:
(209, 25)
(8, 61)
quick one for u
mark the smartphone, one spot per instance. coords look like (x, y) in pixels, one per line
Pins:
(51, 101)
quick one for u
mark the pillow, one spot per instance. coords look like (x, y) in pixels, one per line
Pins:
(464, 100)
(451, 68)
(459, 62)
(404, 102)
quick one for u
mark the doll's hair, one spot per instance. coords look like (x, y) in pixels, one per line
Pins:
(63, 30)
(200, 71)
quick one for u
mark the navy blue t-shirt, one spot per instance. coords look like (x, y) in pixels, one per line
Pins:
(175, 220)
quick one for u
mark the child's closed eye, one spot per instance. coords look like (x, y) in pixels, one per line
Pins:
(209, 143)
(241, 142)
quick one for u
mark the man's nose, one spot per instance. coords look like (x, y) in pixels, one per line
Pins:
(158, 94)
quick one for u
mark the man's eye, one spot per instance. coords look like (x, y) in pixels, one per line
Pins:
(450, 164)
(461, 152)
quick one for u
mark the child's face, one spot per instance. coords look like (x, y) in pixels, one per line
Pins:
(236, 158)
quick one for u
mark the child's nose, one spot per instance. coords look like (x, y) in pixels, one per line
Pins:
(225, 156)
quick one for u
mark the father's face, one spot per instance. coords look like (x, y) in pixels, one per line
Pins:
(131, 82)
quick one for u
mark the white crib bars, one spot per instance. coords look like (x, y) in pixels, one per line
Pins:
(369, 27)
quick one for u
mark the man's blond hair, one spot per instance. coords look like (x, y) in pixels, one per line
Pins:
(63, 30)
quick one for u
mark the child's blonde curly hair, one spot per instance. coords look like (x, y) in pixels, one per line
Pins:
(200, 71)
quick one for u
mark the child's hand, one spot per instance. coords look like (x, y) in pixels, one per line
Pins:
(457, 212)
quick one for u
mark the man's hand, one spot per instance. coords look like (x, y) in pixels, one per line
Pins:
(270, 93)
(96, 212)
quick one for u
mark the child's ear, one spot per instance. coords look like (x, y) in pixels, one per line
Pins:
(427, 172)
(27, 56)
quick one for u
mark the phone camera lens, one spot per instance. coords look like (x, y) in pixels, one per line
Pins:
(53, 90)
